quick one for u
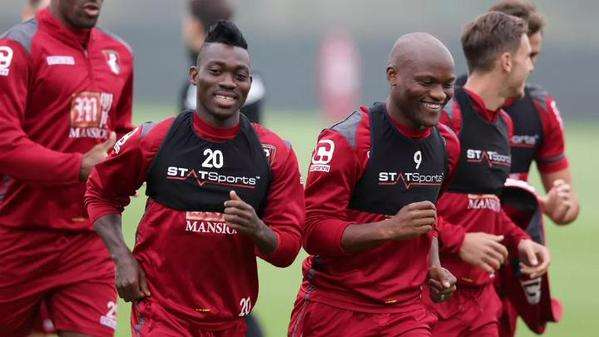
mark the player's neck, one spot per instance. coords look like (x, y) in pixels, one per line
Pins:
(488, 87)
(217, 123)
(400, 117)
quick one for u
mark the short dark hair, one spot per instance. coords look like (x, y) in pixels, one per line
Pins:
(525, 10)
(226, 32)
(488, 36)
(209, 12)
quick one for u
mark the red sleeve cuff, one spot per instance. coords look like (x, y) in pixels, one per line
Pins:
(326, 240)
(96, 211)
(555, 165)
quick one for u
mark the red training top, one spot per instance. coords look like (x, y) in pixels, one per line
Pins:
(208, 276)
(384, 279)
(63, 91)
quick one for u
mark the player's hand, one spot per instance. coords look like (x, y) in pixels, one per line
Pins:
(241, 216)
(411, 221)
(484, 251)
(534, 258)
(442, 283)
(560, 202)
(131, 281)
(97, 154)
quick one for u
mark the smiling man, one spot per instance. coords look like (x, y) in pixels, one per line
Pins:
(65, 90)
(221, 191)
(370, 198)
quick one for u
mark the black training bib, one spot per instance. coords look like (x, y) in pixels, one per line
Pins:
(528, 132)
(400, 170)
(193, 174)
(485, 158)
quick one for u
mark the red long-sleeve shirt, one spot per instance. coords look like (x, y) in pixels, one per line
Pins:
(61, 92)
(206, 281)
(461, 213)
(383, 279)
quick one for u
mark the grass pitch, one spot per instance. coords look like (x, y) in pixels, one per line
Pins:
(575, 253)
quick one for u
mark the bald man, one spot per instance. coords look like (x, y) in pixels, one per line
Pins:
(370, 196)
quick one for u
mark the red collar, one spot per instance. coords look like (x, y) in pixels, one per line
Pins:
(60, 30)
(212, 133)
(479, 105)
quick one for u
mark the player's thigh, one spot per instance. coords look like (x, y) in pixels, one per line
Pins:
(450, 327)
(417, 322)
(23, 281)
(314, 319)
(487, 330)
(86, 307)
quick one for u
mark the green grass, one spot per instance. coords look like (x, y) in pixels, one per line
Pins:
(574, 250)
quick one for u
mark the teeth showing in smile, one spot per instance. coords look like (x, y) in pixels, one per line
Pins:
(432, 106)
(225, 98)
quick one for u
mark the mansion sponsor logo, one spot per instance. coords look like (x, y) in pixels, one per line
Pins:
(322, 156)
(203, 177)
(484, 201)
(410, 179)
(524, 140)
(89, 115)
(493, 158)
(207, 222)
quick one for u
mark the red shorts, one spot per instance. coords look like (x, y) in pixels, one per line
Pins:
(315, 319)
(469, 312)
(508, 319)
(71, 273)
(149, 319)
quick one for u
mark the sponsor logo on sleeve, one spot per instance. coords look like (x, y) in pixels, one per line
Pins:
(112, 59)
(270, 151)
(6, 54)
(60, 60)
(119, 144)
(89, 115)
(322, 156)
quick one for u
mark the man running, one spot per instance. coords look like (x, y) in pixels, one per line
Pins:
(370, 196)
(66, 90)
(221, 191)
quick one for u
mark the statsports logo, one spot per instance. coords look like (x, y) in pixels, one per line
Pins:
(492, 158)
(526, 141)
(410, 179)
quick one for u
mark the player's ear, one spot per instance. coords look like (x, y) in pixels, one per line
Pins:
(505, 61)
(193, 75)
(392, 75)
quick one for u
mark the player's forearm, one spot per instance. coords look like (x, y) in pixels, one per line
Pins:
(38, 165)
(110, 231)
(435, 261)
(265, 239)
(360, 237)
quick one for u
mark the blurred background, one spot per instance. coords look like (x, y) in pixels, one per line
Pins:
(289, 40)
